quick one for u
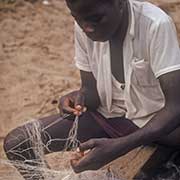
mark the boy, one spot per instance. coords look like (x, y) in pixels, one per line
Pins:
(129, 60)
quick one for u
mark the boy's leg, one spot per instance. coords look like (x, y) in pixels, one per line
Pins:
(168, 148)
(18, 144)
(156, 162)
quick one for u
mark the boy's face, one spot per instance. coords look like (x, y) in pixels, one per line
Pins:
(99, 20)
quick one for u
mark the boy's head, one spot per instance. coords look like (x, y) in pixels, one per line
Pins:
(99, 19)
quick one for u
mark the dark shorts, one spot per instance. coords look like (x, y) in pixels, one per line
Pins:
(114, 127)
(55, 128)
(91, 125)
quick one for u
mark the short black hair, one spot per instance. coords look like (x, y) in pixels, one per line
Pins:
(99, 1)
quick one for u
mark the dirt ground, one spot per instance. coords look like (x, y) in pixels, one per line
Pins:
(36, 65)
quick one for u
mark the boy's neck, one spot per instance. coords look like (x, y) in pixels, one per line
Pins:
(121, 32)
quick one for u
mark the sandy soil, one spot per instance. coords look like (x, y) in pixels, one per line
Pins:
(36, 64)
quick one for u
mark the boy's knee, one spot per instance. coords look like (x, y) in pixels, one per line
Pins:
(14, 141)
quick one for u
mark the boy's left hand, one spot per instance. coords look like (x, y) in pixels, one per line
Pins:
(96, 153)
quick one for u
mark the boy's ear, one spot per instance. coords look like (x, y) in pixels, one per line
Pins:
(121, 3)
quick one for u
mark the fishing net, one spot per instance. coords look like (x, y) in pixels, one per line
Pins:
(37, 168)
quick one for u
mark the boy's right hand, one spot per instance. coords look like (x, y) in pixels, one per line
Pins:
(72, 103)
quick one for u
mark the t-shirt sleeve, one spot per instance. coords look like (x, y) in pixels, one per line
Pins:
(164, 48)
(81, 54)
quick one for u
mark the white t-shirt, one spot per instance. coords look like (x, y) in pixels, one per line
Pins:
(150, 50)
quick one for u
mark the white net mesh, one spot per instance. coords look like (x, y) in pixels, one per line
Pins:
(37, 168)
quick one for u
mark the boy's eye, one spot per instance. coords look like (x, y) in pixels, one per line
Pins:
(95, 19)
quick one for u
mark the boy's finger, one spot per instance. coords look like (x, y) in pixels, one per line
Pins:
(84, 109)
(65, 106)
(77, 113)
(79, 102)
(78, 107)
(77, 156)
(80, 165)
(87, 145)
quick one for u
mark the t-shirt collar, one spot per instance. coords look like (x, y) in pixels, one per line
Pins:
(131, 29)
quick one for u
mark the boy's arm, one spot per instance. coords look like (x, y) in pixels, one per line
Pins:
(164, 122)
(167, 119)
(87, 96)
(89, 89)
